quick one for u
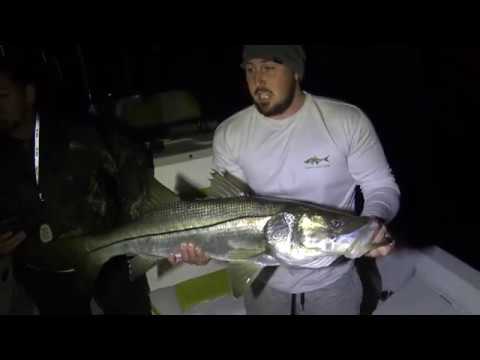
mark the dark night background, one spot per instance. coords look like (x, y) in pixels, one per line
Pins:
(421, 100)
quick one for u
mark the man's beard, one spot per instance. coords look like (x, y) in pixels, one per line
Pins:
(281, 107)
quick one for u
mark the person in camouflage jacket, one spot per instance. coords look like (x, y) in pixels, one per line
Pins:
(89, 182)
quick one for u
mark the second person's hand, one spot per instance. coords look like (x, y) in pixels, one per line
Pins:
(189, 254)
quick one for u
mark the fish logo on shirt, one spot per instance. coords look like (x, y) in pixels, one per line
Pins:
(317, 162)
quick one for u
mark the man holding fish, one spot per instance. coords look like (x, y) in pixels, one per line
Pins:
(293, 145)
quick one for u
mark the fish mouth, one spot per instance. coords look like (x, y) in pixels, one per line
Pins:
(361, 240)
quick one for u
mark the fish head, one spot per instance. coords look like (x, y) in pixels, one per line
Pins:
(302, 237)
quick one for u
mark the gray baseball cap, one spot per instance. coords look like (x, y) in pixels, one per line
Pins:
(292, 56)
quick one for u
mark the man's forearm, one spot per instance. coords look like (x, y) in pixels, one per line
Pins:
(382, 203)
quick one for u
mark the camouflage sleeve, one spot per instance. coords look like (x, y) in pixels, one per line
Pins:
(128, 162)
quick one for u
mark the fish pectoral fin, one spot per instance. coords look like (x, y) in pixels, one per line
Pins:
(242, 275)
(141, 264)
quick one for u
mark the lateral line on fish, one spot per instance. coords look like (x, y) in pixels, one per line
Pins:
(175, 232)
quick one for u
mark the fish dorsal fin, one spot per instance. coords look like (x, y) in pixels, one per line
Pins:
(157, 196)
(226, 185)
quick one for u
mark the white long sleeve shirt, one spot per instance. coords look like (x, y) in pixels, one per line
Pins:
(320, 154)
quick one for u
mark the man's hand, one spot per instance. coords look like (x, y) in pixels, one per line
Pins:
(189, 254)
(10, 241)
(382, 235)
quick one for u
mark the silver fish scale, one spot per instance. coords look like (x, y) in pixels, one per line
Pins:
(236, 239)
(184, 215)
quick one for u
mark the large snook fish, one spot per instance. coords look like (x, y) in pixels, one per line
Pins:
(248, 232)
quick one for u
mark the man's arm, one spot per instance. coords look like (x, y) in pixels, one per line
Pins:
(369, 167)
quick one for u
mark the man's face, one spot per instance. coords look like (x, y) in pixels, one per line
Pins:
(13, 104)
(271, 85)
